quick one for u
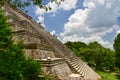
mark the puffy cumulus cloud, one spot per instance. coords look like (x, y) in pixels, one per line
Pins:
(66, 5)
(41, 19)
(40, 12)
(92, 23)
(101, 15)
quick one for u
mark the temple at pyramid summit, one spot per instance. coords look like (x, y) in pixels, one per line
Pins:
(40, 45)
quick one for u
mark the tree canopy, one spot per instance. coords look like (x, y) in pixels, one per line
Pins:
(21, 4)
(13, 64)
(117, 49)
(94, 54)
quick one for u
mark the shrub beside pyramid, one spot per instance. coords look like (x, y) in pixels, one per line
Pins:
(55, 57)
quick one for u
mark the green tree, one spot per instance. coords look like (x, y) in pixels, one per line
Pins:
(13, 64)
(21, 4)
(94, 54)
(100, 57)
(117, 49)
(94, 45)
(76, 46)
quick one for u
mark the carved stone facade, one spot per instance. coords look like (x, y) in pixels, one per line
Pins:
(40, 45)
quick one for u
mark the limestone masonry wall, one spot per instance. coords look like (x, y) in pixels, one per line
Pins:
(40, 45)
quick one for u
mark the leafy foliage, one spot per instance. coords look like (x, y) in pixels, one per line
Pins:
(108, 76)
(76, 46)
(117, 49)
(21, 4)
(94, 54)
(13, 64)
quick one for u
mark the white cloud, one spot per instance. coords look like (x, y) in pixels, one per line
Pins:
(39, 11)
(93, 22)
(53, 6)
(66, 5)
(40, 18)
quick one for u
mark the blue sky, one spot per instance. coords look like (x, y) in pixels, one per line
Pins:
(81, 20)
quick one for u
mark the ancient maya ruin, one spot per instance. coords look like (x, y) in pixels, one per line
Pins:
(55, 57)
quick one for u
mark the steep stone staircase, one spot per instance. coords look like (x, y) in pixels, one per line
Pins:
(83, 69)
(39, 44)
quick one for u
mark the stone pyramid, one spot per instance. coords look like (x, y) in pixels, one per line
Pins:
(40, 45)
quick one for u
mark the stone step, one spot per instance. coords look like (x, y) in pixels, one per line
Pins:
(86, 73)
(83, 69)
(80, 67)
(77, 66)
(75, 77)
(73, 63)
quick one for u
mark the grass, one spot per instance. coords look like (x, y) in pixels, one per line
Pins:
(108, 75)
